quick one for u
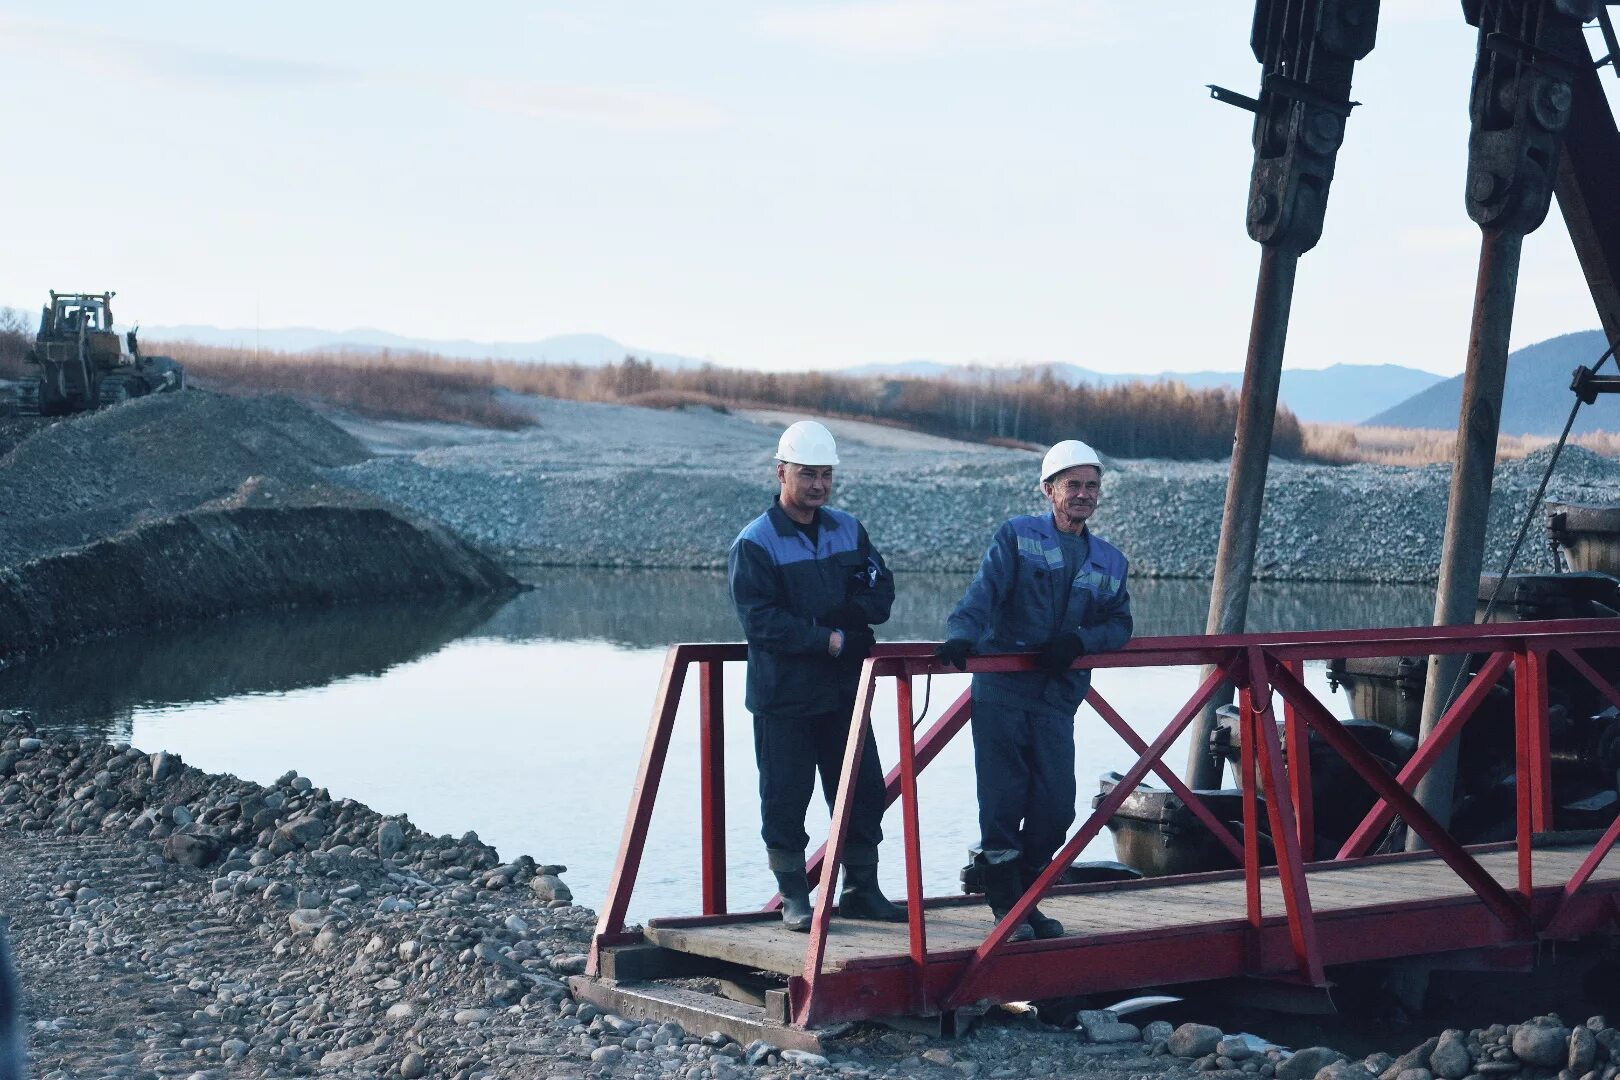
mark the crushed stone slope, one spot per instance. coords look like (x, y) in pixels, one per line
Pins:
(194, 505)
(601, 485)
(88, 476)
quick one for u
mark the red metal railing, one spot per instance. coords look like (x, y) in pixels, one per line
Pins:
(1261, 666)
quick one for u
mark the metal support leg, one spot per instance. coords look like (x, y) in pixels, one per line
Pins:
(1463, 556)
(1245, 487)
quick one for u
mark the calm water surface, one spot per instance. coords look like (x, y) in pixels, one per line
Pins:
(524, 719)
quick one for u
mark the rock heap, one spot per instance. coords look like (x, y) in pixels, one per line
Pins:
(1542, 1048)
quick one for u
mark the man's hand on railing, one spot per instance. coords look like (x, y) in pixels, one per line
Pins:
(1060, 653)
(858, 642)
(955, 652)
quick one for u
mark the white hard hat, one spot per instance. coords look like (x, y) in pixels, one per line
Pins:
(1066, 455)
(807, 443)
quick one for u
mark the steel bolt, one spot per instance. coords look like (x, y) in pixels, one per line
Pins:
(1326, 131)
(1551, 104)
(1483, 185)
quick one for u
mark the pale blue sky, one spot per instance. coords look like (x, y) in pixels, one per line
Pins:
(765, 184)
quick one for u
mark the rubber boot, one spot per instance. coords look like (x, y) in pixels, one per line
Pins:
(794, 885)
(1001, 892)
(1044, 925)
(861, 897)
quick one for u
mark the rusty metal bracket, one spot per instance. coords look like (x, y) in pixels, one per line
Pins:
(1587, 384)
(1294, 90)
(1232, 97)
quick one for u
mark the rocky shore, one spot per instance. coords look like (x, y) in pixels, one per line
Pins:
(167, 922)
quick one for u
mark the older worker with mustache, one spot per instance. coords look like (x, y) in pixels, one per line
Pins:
(1050, 584)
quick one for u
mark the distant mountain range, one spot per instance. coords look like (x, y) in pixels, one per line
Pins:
(1536, 398)
(589, 349)
(1341, 394)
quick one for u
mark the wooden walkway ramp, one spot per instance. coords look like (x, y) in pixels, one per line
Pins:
(1347, 900)
(1289, 923)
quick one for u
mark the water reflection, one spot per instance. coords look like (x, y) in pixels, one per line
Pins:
(523, 718)
(645, 609)
(95, 688)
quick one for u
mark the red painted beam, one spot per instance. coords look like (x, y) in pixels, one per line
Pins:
(642, 798)
(1417, 818)
(986, 953)
(712, 783)
(1131, 739)
(843, 807)
(1284, 826)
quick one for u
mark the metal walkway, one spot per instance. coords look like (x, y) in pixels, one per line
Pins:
(1287, 922)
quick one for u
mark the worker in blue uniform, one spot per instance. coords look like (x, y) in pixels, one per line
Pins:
(1049, 584)
(809, 586)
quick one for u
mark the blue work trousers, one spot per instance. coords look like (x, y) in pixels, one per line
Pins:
(790, 751)
(1024, 760)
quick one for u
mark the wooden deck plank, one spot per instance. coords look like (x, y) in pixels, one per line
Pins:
(1333, 890)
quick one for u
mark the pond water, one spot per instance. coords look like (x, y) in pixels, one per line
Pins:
(523, 719)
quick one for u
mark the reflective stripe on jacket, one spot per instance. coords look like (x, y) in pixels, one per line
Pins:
(782, 585)
(1021, 599)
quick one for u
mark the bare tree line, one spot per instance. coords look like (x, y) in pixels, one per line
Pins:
(1135, 419)
(1138, 419)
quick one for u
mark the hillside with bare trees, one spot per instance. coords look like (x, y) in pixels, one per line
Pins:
(1130, 420)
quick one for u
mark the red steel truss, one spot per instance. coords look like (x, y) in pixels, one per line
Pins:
(1294, 947)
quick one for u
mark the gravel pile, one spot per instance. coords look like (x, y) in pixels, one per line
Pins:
(86, 477)
(604, 485)
(178, 507)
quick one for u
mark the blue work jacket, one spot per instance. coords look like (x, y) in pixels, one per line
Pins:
(1021, 599)
(784, 586)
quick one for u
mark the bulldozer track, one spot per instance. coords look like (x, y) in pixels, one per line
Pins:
(112, 391)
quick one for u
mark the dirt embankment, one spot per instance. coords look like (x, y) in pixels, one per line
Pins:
(194, 505)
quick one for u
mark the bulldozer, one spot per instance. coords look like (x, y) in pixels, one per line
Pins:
(85, 364)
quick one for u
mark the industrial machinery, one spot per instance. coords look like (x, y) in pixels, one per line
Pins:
(83, 362)
(1156, 834)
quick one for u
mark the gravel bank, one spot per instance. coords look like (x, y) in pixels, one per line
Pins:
(606, 485)
(167, 922)
(187, 506)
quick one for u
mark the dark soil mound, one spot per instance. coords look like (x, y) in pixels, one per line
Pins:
(89, 476)
(189, 506)
(217, 561)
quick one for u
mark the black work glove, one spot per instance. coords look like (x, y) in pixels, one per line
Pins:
(846, 616)
(1062, 651)
(955, 652)
(858, 642)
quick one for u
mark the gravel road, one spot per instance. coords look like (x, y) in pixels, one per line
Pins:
(608, 485)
